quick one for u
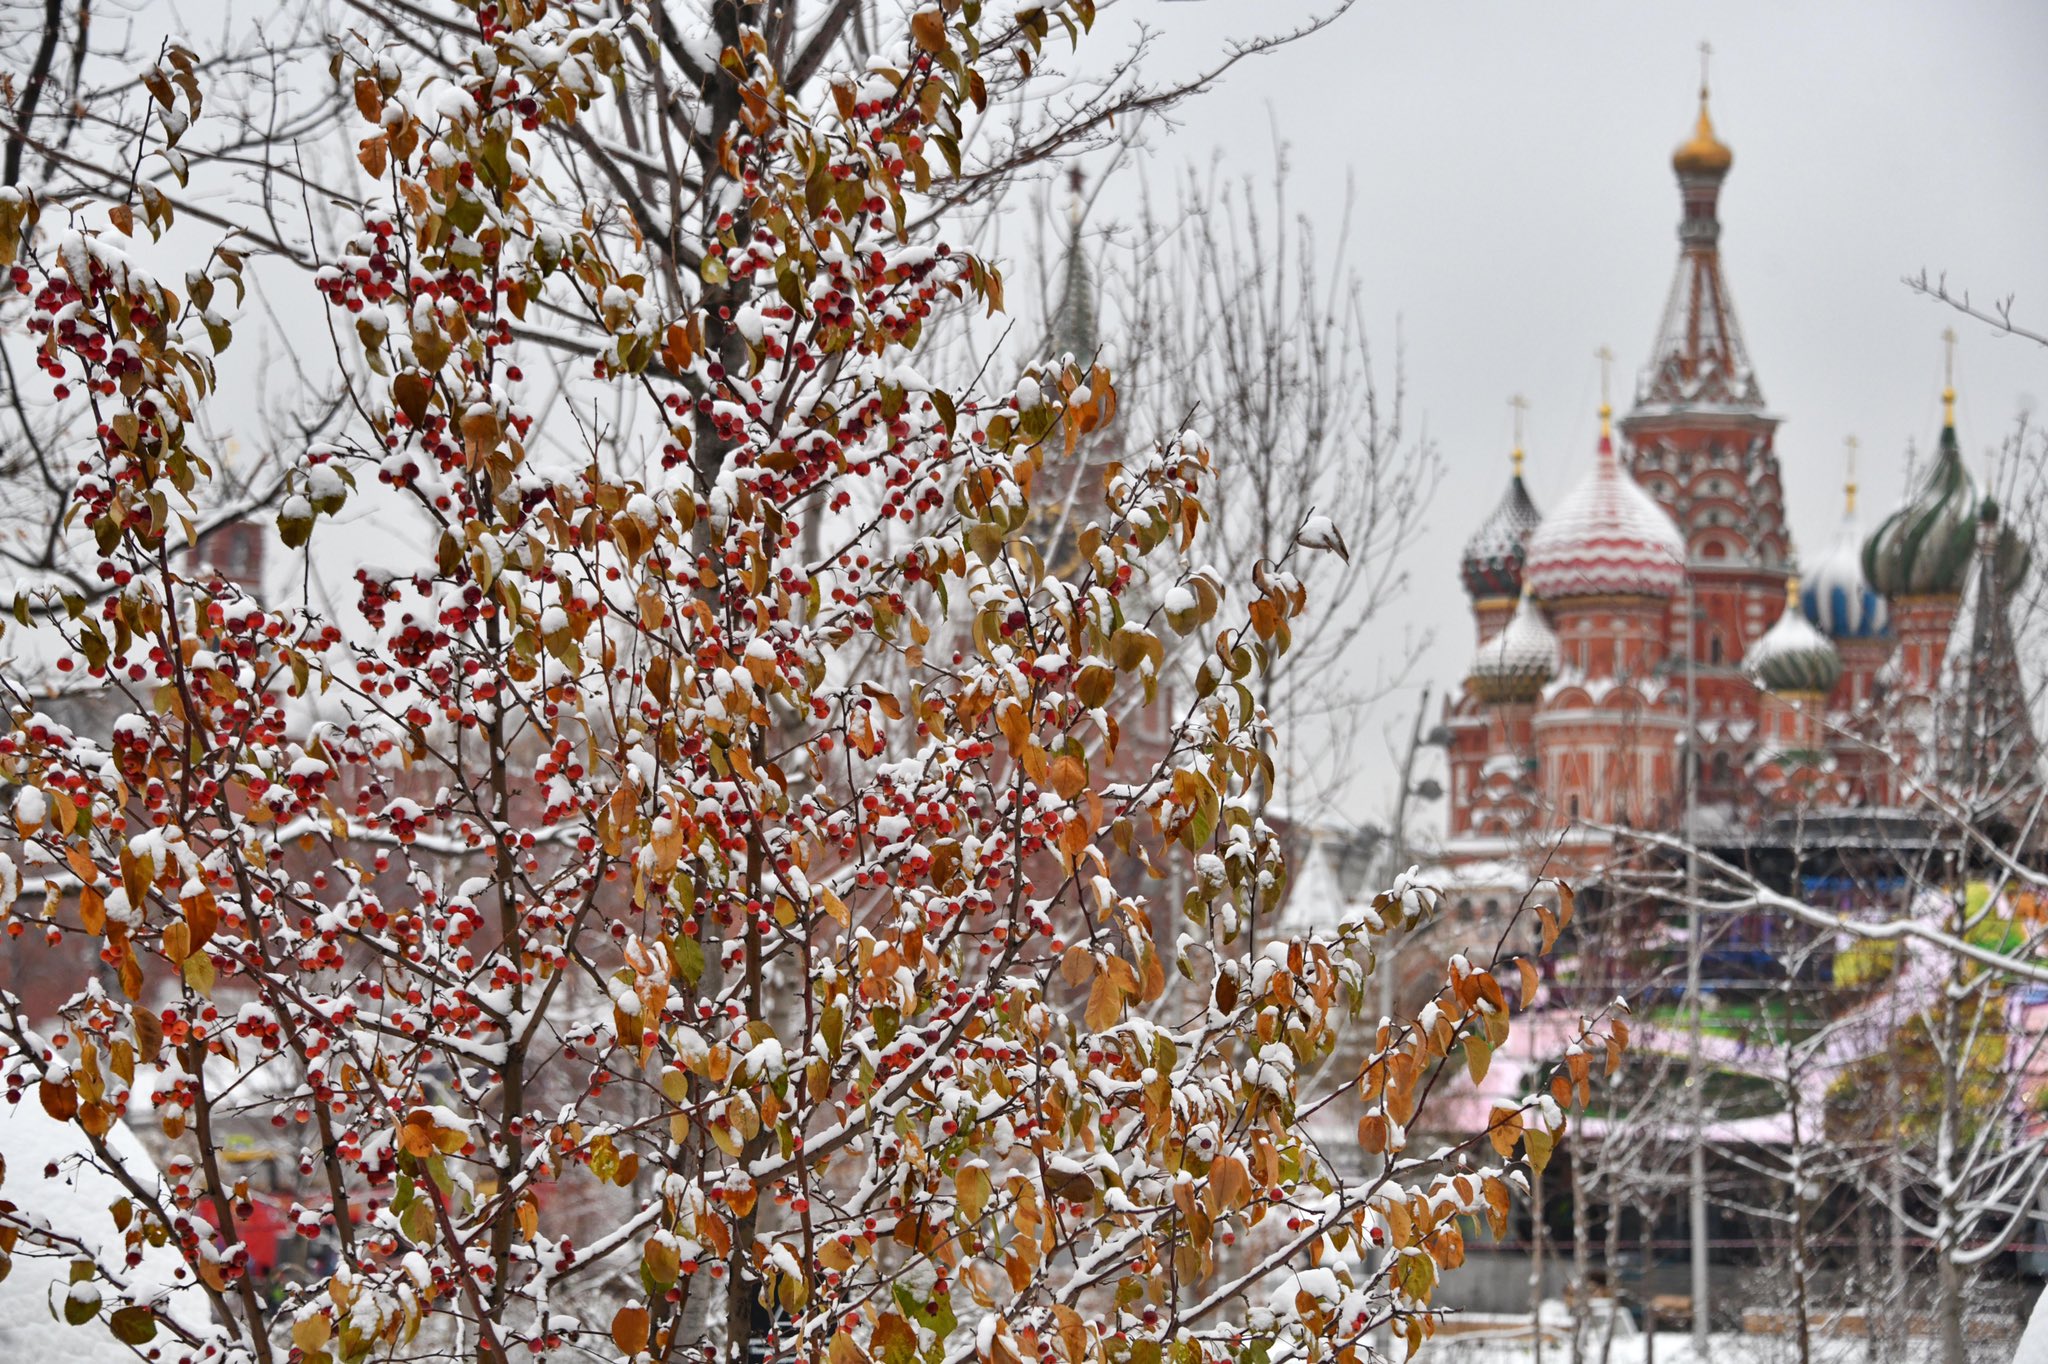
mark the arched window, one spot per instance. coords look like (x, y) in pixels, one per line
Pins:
(1724, 771)
(1715, 649)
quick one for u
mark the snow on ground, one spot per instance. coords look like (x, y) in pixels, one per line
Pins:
(2034, 1342)
(75, 1200)
(1676, 1348)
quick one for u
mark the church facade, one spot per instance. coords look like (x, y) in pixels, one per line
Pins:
(1656, 621)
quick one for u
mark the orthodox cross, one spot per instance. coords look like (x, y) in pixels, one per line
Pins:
(1706, 54)
(1849, 488)
(1520, 405)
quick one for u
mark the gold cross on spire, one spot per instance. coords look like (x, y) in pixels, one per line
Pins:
(1849, 486)
(1520, 405)
(1948, 376)
(1706, 54)
(1605, 355)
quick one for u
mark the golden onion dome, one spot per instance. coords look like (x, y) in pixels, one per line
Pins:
(1704, 154)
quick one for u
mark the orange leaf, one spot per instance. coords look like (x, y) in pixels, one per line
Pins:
(629, 1329)
(1105, 1004)
(928, 30)
(1503, 1128)
(1068, 777)
(92, 911)
(59, 1101)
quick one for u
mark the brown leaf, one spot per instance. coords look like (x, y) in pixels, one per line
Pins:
(893, 1341)
(1073, 1333)
(411, 392)
(1105, 1004)
(60, 1101)
(1228, 1184)
(369, 100)
(971, 1189)
(1503, 1128)
(92, 911)
(479, 435)
(1068, 777)
(1496, 1192)
(629, 1329)
(1074, 838)
(416, 1134)
(1478, 1055)
(149, 1032)
(928, 30)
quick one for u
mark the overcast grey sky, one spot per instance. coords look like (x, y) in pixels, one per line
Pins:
(1516, 210)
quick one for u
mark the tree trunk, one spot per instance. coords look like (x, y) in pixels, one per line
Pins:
(1582, 1255)
(1612, 1256)
(1801, 1314)
(1536, 1267)
(1954, 1348)
(1649, 1282)
(1898, 1294)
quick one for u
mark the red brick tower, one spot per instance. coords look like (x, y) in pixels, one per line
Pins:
(1700, 440)
(1607, 564)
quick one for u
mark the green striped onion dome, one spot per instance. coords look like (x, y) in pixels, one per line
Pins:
(1923, 549)
(1792, 656)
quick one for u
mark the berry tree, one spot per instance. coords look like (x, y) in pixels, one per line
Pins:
(696, 906)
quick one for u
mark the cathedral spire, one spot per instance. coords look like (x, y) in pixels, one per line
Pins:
(1985, 753)
(1492, 563)
(1073, 319)
(1699, 360)
(1948, 382)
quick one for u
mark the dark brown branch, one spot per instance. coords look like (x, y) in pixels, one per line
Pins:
(32, 91)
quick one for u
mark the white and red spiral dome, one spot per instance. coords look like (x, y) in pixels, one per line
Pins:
(1606, 538)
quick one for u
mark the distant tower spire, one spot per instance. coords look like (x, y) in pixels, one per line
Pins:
(1520, 405)
(1699, 360)
(1073, 320)
(1948, 377)
(1605, 355)
(1849, 443)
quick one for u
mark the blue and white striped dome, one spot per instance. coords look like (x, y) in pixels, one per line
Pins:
(1837, 598)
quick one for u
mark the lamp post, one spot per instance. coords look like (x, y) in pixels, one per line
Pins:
(1695, 1086)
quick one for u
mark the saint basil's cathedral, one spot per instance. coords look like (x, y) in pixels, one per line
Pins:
(1659, 612)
